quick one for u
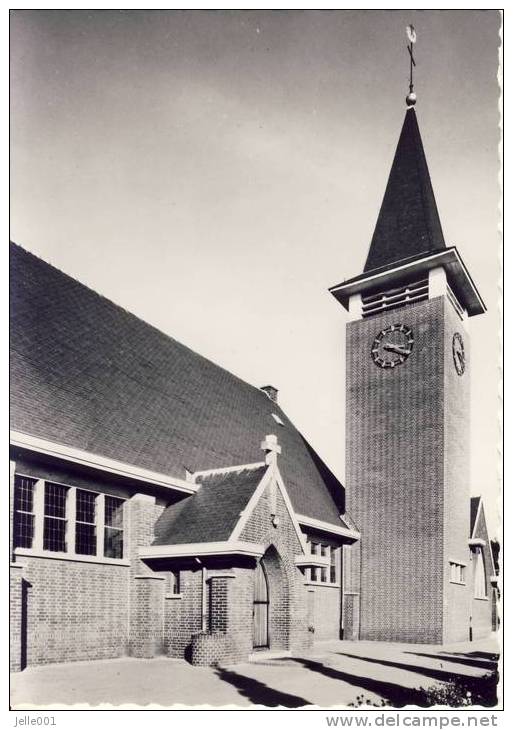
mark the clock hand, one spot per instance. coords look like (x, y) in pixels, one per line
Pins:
(390, 347)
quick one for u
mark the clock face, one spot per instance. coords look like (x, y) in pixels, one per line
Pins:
(392, 346)
(458, 353)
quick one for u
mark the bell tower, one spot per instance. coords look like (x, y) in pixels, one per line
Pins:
(408, 367)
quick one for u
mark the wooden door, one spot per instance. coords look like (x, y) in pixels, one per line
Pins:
(260, 609)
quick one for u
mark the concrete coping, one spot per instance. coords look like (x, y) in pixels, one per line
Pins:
(220, 575)
(174, 596)
(141, 497)
(151, 577)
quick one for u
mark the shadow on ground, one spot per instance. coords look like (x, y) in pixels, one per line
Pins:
(259, 693)
(439, 674)
(460, 689)
(393, 694)
(465, 659)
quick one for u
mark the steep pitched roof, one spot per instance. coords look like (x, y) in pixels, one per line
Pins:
(212, 513)
(88, 374)
(408, 222)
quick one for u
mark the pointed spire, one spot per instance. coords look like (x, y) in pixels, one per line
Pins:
(408, 223)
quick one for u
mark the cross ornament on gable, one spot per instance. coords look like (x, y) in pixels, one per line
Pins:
(271, 447)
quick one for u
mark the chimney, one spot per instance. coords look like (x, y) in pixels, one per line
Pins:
(271, 392)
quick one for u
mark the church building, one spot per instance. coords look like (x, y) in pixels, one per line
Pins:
(162, 506)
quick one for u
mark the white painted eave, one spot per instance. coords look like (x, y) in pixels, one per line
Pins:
(351, 535)
(449, 259)
(102, 463)
(199, 549)
(312, 561)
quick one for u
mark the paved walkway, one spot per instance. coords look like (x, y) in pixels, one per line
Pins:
(338, 673)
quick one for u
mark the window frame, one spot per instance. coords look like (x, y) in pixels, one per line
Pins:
(17, 512)
(481, 577)
(87, 523)
(457, 572)
(38, 549)
(321, 576)
(59, 519)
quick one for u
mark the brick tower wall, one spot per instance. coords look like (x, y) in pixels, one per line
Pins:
(395, 475)
(457, 597)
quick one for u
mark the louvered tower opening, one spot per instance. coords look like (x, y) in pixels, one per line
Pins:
(384, 300)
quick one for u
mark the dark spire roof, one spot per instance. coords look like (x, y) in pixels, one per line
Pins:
(408, 222)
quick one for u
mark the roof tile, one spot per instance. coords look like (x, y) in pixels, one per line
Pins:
(88, 374)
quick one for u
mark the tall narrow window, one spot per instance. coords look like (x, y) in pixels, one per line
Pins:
(479, 576)
(173, 582)
(333, 565)
(23, 511)
(85, 530)
(113, 543)
(54, 535)
(313, 570)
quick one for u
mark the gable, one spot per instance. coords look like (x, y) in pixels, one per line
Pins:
(87, 374)
(259, 527)
(212, 513)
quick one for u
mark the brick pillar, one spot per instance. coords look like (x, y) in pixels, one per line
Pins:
(17, 619)
(147, 617)
(299, 616)
(146, 594)
(221, 641)
(218, 609)
(351, 566)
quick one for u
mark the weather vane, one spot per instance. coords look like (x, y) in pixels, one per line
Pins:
(412, 37)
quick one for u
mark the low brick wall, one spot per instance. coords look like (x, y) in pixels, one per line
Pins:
(326, 611)
(211, 649)
(73, 610)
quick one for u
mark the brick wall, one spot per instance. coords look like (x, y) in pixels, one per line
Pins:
(229, 636)
(326, 611)
(16, 651)
(482, 608)
(456, 478)
(68, 609)
(75, 610)
(182, 616)
(146, 615)
(289, 606)
(351, 594)
(394, 475)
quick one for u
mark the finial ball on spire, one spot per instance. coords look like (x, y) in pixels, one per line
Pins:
(411, 99)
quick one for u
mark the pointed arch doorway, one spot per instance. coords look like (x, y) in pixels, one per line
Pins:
(260, 608)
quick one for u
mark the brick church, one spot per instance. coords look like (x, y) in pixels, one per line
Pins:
(162, 506)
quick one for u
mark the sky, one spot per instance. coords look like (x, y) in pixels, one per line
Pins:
(214, 172)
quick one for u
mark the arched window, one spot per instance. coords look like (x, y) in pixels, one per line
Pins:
(479, 576)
